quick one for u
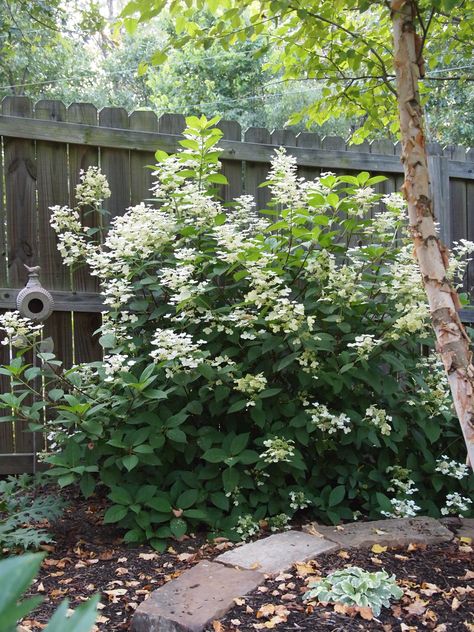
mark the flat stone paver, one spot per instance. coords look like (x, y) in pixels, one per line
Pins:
(390, 532)
(466, 529)
(277, 552)
(200, 595)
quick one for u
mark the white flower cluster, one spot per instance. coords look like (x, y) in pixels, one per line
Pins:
(237, 234)
(402, 508)
(378, 418)
(115, 363)
(401, 483)
(459, 260)
(298, 500)
(178, 348)
(285, 186)
(20, 332)
(93, 187)
(279, 522)
(307, 359)
(436, 397)
(328, 422)
(181, 283)
(118, 325)
(456, 504)
(278, 450)
(72, 247)
(251, 385)
(343, 283)
(363, 199)
(65, 219)
(364, 345)
(403, 284)
(414, 320)
(385, 223)
(451, 468)
(247, 527)
(134, 237)
(320, 266)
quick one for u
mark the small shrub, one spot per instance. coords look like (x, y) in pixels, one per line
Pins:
(256, 364)
(354, 586)
(16, 574)
(20, 509)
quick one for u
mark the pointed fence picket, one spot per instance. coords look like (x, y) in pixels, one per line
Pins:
(44, 147)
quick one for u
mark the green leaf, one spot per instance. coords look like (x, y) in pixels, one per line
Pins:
(236, 406)
(218, 178)
(336, 496)
(120, 496)
(383, 502)
(230, 479)
(82, 620)
(219, 499)
(187, 499)
(178, 527)
(175, 434)
(115, 514)
(159, 504)
(107, 341)
(130, 461)
(214, 455)
(239, 443)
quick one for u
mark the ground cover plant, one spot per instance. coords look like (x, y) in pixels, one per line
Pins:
(256, 364)
(23, 512)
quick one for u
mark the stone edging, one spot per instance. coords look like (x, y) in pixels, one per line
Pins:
(207, 591)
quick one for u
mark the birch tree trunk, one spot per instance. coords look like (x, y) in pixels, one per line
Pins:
(452, 341)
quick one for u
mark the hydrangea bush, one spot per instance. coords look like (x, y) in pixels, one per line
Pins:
(255, 363)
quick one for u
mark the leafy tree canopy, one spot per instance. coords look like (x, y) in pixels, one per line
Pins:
(345, 43)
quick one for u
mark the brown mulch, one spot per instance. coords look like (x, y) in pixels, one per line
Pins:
(88, 557)
(438, 582)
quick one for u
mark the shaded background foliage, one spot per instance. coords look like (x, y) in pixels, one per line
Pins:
(70, 51)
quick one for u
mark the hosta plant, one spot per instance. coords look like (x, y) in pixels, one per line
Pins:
(255, 363)
(354, 586)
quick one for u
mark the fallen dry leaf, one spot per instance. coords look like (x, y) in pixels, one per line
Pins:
(239, 601)
(305, 568)
(217, 626)
(376, 560)
(148, 556)
(417, 607)
(469, 626)
(428, 589)
(455, 603)
(377, 548)
(344, 554)
(468, 575)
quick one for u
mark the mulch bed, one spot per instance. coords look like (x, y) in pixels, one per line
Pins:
(88, 557)
(438, 582)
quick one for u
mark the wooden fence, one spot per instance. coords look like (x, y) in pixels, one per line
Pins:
(46, 144)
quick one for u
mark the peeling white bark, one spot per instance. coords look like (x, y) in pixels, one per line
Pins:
(452, 341)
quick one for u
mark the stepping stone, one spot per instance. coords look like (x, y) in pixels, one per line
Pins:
(277, 552)
(390, 532)
(197, 597)
(466, 529)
